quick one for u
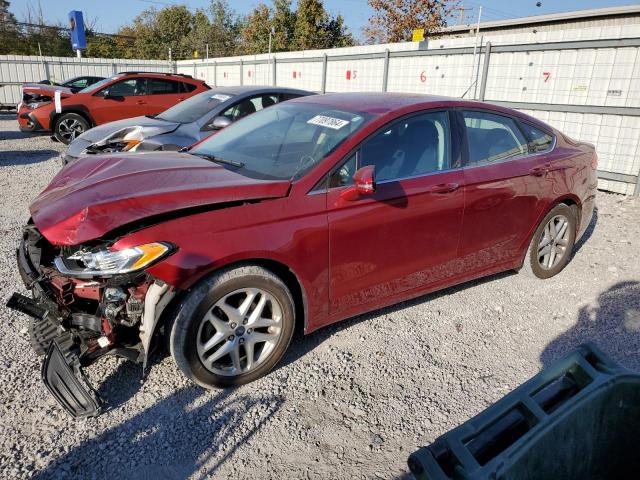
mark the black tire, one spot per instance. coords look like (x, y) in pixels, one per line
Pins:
(532, 262)
(69, 126)
(182, 329)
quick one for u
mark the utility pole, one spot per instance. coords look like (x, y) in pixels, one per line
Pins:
(462, 10)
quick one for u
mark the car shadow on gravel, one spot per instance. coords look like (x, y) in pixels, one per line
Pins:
(192, 430)
(25, 157)
(303, 344)
(613, 325)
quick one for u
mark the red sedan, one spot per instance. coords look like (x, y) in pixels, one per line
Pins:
(305, 213)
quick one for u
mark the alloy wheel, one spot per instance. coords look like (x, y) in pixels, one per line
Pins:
(239, 332)
(554, 241)
(70, 128)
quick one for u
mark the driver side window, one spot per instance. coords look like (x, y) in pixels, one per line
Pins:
(125, 88)
(248, 106)
(410, 147)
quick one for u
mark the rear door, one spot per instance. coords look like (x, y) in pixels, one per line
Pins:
(125, 98)
(404, 236)
(505, 189)
(164, 93)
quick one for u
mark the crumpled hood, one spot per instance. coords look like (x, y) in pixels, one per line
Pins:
(44, 89)
(150, 127)
(88, 199)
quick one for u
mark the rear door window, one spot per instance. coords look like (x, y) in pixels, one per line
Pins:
(160, 86)
(493, 138)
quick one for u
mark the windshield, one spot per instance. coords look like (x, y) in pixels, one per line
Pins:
(193, 108)
(282, 142)
(99, 84)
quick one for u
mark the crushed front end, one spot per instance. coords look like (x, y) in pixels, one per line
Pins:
(87, 302)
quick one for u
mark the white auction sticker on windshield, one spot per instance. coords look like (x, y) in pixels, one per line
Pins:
(221, 97)
(329, 122)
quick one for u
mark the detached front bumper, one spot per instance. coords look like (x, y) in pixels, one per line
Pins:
(61, 370)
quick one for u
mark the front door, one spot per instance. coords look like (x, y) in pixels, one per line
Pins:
(124, 99)
(404, 236)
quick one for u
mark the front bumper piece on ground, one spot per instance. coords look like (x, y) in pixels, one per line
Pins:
(61, 370)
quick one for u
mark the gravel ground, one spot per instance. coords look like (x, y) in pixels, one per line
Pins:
(350, 401)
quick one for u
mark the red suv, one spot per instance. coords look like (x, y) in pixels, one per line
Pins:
(304, 213)
(128, 94)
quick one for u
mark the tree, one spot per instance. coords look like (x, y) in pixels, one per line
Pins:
(9, 34)
(198, 36)
(255, 30)
(225, 29)
(284, 24)
(315, 29)
(395, 20)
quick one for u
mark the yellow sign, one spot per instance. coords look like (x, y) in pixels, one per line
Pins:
(195, 54)
(418, 35)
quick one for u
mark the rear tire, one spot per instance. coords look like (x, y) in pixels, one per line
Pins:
(233, 327)
(552, 243)
(69, 126)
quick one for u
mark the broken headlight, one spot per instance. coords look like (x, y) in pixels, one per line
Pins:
(34, 105)
(104, 262)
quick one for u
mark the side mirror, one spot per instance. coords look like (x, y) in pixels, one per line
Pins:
(364, 183)
(219, 123)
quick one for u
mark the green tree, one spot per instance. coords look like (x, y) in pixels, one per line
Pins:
(9, 34)
(255, 30)
(314, 28)
(225, 29)
(284, 24)
(197, 37)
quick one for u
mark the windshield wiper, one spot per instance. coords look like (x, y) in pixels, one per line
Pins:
(213, 158)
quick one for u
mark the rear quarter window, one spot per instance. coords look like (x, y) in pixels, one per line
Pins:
(188, 87)
(539, 140)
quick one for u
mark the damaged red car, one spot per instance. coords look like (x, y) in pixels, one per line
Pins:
(303, 214)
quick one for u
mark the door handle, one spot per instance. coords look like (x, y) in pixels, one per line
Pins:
(539, 171)
(445, 188)
(141, 102)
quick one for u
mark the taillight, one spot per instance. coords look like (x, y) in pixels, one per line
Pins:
(594, 161)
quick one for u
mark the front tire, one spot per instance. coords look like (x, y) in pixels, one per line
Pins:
(69, 126)
(552, 243)
(233, 327)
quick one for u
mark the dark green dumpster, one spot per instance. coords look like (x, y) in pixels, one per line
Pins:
(577, 420)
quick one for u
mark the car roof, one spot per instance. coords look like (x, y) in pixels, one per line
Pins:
(381, 103)
(257, 89)
(374, 102)
(174, 76)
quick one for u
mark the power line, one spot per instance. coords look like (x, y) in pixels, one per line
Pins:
(63, 29)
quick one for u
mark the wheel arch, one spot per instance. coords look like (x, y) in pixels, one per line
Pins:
(77, 109)
(282, 271)
(572, 201)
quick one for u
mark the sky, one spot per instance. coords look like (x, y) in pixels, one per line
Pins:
(111, 14)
